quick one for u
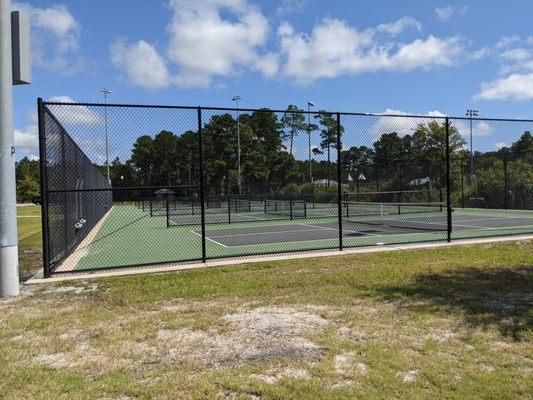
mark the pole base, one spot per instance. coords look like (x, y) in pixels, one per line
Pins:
(9, 272)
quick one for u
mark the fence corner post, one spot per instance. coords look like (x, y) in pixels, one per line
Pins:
(44, 187)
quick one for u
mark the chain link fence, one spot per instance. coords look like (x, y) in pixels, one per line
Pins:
(126, 185)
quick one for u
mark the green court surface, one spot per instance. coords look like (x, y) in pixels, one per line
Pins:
(129, 236)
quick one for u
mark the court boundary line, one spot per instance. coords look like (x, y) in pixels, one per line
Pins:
(208, 238)
(83, 248)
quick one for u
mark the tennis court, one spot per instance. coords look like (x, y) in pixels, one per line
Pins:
(130, 236)
(190, 184)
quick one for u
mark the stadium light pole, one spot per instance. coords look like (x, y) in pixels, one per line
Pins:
(309, 105)
(15, 68)
(106, 91)
(471, 113)
(236, 99)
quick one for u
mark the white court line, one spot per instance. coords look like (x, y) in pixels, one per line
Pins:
(499, 227)
(261, 233)
(493, 219)
(438, 225)
(208, 238)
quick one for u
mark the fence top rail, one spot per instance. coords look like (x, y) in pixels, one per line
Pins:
(265, 109)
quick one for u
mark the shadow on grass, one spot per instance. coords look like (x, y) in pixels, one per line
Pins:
(491, 296)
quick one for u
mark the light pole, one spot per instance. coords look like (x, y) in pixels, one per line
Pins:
(471, 113)
(9, 272)
(309, 105)
(106, 92)
(236, 99)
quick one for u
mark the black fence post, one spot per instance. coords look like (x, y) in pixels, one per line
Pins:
(202, 179)
(448, 189)
(506, 205)
(44, 187)
(462, 183)
(339, 183)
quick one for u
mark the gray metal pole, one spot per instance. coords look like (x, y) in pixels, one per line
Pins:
(309, 142)
(471, 153)
(9, 276)
(238, 148)
(106, 139)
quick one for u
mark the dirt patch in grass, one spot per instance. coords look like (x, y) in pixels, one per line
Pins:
(259, 334)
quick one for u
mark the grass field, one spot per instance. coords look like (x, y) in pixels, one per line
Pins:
(30, 240)
(453, 323)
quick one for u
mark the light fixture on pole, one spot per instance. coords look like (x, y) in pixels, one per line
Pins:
(309, 105)
(236, 99)
(106, 92)
(471, 113)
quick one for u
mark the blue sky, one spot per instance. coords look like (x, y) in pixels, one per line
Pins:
(410, 56)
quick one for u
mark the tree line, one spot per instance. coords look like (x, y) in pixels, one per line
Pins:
(274, 157)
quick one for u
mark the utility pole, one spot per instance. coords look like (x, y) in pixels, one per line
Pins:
(236, 99)
(309, 105)
(15, 68)
(106, 92)
(471, 113)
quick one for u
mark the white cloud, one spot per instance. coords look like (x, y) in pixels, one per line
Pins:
(517, 54)
(401, 122)
(268, 65)
(507, 41)
(55, 37)
(222, 38)
(27, 138)
(141, 63)
(291, 6)
(445, 13)
(515, 86)
(479, 128)
(207, 39)
(74, 115)
(404, 123)
(501, 145)
(397, 27)
(516, 70)
(334, 48)
(204, 44)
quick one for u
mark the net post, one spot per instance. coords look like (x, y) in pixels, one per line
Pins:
(290, 207)
(339, 183)
(44, 187)
(229, 209)
(168, 212)
(201, 160)
(448, 204)
(151, 208)
(506, 205)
